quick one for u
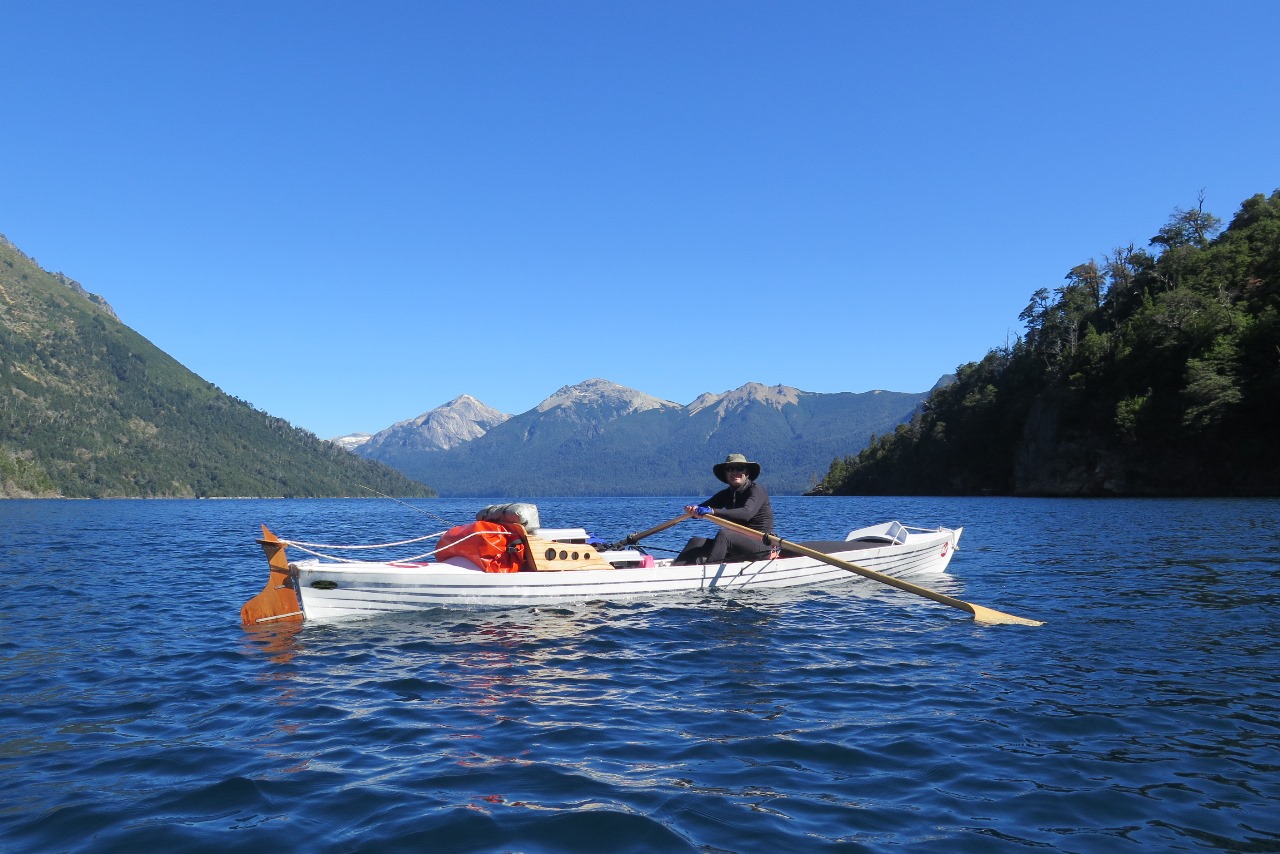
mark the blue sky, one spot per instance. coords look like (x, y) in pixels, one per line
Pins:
(350, 213)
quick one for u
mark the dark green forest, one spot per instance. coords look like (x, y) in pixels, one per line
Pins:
(91, 409)
(1153, 372)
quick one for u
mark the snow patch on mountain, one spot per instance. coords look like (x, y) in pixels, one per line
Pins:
(351, 441)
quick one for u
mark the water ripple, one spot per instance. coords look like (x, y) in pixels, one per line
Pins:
(137, 713)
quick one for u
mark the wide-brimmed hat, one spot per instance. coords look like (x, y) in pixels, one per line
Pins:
(753, 469)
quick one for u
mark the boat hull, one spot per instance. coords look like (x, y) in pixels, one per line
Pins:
(331, 591)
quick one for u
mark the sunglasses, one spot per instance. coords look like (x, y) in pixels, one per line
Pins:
(735, 468)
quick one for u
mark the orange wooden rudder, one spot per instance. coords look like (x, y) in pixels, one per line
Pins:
(278, 601)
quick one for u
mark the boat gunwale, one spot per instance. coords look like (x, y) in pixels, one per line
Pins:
(437, 570)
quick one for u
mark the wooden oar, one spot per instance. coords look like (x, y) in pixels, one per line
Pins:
(632, 539)
(981, 614)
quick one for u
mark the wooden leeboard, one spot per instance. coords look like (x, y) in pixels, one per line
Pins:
(548, 556)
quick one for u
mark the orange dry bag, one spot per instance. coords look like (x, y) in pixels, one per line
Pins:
(488, 545)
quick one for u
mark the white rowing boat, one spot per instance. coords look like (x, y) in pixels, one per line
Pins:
(506, 559)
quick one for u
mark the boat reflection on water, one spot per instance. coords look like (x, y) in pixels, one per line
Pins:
(276, 641)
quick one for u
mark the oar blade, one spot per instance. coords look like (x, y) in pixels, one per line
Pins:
(990, 616)
(980, 614)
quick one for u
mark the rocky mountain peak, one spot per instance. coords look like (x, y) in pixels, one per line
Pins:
(459, 421)
(598, 393)
(351, 441)
(601, 438)
(773, 396)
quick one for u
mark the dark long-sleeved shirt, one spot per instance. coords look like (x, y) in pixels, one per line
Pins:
(749, 506)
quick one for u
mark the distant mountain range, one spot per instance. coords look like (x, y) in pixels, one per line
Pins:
(601, 438)
(90, 408)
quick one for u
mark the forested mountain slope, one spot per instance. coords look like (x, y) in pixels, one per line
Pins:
(1153, 372)
(89, 408)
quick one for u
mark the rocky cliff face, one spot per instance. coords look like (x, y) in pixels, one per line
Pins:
(61, 277)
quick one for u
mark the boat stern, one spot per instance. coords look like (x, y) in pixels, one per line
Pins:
(278, 602)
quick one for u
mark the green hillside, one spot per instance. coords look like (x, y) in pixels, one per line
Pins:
(1153, 373)
(91, 409)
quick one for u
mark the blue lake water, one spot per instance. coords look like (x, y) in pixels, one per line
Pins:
(137, 714)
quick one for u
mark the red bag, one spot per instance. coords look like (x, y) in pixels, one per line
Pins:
(488, 545)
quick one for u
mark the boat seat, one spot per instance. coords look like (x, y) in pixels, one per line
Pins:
(828, 547)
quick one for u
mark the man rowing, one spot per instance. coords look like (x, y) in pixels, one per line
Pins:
(744, 501)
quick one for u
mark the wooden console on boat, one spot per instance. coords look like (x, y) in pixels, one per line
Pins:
(552, 556)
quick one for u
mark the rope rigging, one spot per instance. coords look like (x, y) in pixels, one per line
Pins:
(312, 548)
